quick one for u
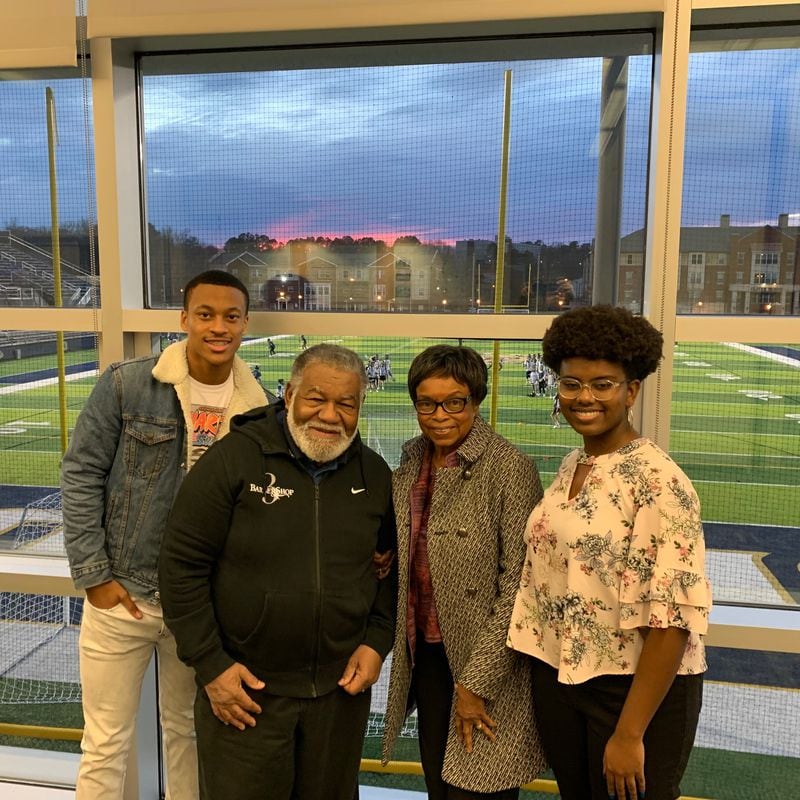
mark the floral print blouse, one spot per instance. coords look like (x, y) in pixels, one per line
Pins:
(626, 552)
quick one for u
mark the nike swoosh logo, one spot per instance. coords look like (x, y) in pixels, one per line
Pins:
(357, 491)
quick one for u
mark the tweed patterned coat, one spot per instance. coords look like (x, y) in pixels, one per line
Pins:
(476, 551)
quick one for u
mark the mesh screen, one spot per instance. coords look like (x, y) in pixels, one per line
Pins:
(39, 661)
(31, 420)
(742, 465)
(39, 401)
(734, 432)
(741, 204)
(27, 195)
(735, 414)
(735, 406)
(378, 188)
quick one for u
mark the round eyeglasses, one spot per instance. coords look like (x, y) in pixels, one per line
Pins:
(453, 405)
(600, 389)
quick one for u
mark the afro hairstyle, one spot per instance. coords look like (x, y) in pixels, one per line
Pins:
(605, 333)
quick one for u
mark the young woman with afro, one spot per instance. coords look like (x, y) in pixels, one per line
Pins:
(613, 600)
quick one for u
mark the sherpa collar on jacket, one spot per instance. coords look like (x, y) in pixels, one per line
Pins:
(173, 367)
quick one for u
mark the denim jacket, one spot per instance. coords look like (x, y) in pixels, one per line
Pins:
(126, 459)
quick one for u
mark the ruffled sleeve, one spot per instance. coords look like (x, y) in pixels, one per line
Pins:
(663, 583)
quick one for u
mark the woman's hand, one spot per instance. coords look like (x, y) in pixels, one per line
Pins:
(623, 765)
(623, 759)
(471, 716)
(382, 562)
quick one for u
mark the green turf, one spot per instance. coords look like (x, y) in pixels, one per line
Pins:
(11, 367)
(29, 469)
(714, 774)
(55, 715)
(742, 452)
(728, 775)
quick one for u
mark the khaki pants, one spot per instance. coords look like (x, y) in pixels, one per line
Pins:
(115, 650)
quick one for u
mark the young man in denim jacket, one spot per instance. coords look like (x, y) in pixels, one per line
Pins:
(144, 425)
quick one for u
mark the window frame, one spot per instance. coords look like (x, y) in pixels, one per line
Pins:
(126, 326)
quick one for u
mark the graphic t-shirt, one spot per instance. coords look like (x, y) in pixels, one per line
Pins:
(209, 407)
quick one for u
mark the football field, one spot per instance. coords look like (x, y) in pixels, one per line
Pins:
(735, 425)
(735, 417)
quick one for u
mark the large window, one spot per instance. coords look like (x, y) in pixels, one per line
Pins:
(378, 188)
(742, 171)
(31, 197)
(337, 176)
(41, 395)
(734, 432)
(39, 676)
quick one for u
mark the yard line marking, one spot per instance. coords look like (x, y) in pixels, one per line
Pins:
(695, 431)
(737, 406)
(746, 483)
(756, 351)
(738, 455)
(23, 387)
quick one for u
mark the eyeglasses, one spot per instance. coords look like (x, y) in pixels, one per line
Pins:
(601, 389)
(453, 405)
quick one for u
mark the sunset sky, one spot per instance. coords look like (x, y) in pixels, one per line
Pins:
(388, 151)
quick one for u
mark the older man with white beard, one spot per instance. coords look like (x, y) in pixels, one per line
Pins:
(267, 581)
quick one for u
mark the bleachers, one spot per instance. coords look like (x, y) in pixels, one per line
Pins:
(26, 276)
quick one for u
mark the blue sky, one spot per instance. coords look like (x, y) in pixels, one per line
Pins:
(386, 151)
(383, 151)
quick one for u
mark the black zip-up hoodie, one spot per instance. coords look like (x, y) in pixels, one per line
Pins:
(263, 565)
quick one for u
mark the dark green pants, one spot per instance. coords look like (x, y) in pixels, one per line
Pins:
(300, 749)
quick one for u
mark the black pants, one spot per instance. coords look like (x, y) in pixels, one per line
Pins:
(300, 748)
(432, 686)
(576, 721)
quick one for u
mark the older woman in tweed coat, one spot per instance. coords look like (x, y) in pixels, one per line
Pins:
(462, 495)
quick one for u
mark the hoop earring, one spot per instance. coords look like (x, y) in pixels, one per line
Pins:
(630, 416)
